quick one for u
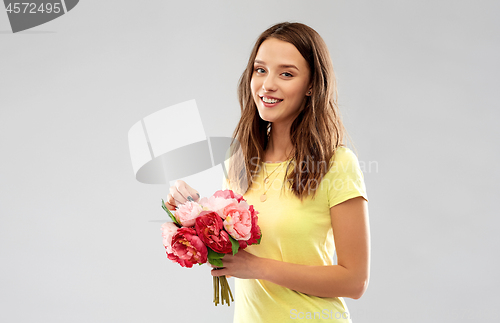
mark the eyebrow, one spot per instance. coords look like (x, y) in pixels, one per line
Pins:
(280, 66)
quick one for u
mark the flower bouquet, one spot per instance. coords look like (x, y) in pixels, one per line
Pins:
(207, 230)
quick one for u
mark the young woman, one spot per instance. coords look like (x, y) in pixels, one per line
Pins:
(307, 187)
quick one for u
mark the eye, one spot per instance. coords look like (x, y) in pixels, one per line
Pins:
(260, 70)
(286, 74)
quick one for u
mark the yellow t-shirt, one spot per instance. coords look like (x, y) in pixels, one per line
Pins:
(299, 233)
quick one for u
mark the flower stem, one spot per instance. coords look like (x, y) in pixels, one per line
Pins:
(215, 298)
(222, 288)
(217, 290)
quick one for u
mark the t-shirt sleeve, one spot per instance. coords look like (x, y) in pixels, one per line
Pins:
(345, 179)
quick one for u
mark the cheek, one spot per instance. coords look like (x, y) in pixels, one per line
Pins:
(253, 85)
(299, 92)
(254, 88)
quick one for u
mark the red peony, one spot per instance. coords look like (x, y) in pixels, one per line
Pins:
(187, 248)
(210, 230)
(228, 194)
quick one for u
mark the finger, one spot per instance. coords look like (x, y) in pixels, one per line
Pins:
(182, 188)
(177, 196)
(192, 192)
(187, 191)
(171, 200)
(219, 272)
(170, 203)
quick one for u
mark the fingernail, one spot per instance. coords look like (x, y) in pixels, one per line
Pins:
(190, 199)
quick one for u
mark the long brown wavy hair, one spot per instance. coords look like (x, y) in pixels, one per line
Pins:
(315, 133)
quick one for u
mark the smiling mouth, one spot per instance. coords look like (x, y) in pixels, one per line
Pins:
(270, 100)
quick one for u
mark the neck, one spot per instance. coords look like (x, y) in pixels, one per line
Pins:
(280, 146)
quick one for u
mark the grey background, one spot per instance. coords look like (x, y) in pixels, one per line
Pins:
(80, 238)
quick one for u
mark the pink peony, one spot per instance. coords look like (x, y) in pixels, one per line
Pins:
(187, 213)
(210, 229)
(168, 230)
(187, 248)
(228, 194)
(238, 220)
(255, 233)
(216, 204)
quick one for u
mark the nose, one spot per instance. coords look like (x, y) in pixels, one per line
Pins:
(269, 84)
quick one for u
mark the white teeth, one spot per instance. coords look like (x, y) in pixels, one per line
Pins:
(269, 100)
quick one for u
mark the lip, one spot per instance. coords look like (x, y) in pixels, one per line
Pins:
(270, 105)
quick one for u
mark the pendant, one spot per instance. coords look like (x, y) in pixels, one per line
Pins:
(263, 198)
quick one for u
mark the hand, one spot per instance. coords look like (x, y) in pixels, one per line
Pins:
(242, 265)
(180, 193)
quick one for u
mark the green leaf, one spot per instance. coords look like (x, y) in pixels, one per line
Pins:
(260, 238)
(172, 217)
(214, 255)
(216, 262)
(215, 258)
(235, 245)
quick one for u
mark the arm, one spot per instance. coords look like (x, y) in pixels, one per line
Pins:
(347, 279)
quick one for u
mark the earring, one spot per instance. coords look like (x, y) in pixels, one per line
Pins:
(309, 92)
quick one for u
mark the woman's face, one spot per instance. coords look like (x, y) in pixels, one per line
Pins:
(280, 81)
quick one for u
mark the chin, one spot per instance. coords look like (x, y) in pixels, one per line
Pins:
(265, 116)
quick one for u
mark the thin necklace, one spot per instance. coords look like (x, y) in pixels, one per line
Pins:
(263, 197)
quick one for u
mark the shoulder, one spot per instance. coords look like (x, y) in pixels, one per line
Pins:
(344, 179)
(344, 160)
(344, 165)
(344, 154)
